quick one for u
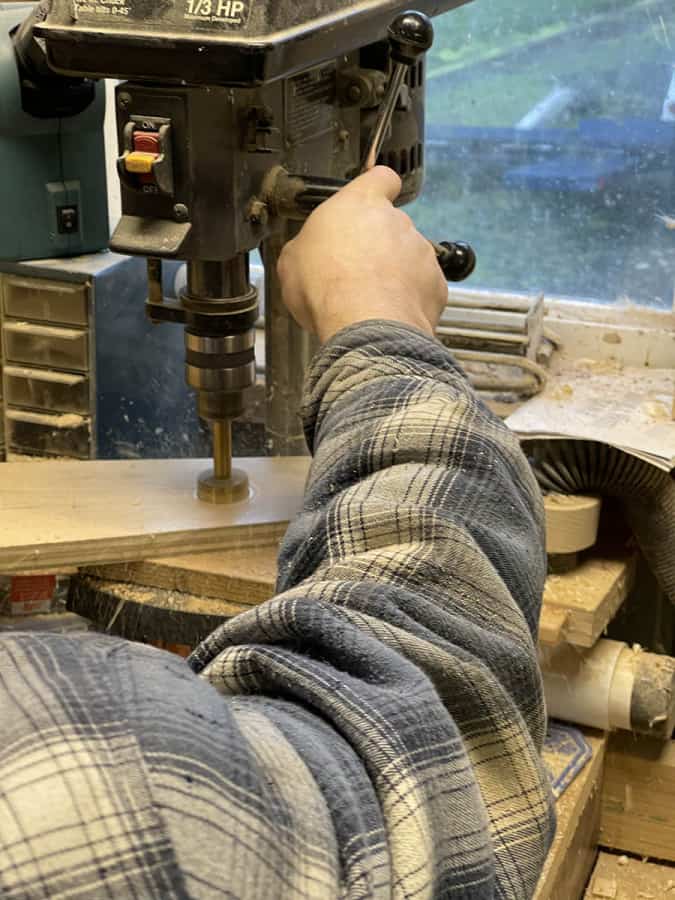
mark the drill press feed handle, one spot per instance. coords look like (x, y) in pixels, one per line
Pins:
(296, 196)
(410, 35)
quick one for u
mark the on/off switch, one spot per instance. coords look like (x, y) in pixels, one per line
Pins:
(146, 149)
(146, 162)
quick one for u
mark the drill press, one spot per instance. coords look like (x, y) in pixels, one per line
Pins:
(234, 118)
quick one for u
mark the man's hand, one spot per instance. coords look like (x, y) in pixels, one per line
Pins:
(358, 257)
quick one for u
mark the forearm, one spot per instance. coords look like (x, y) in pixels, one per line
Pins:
(410, 589)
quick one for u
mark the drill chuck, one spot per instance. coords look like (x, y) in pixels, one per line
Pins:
(220, 367)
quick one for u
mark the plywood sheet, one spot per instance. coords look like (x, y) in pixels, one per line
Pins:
(75, 513)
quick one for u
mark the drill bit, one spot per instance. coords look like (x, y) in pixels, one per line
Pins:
(221, 430)
(222, 484)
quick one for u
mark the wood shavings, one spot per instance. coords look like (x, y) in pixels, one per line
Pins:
(628, 878)
(605, 888)
(655, 409)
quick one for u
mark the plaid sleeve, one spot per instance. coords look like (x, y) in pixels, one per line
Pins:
(371, 732)
(402, 636)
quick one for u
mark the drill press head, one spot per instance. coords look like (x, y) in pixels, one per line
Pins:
(218, 94)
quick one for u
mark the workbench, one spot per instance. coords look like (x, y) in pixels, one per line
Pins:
(143, 577)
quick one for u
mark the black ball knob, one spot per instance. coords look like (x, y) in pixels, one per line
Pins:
(410, 35)
(457, 261)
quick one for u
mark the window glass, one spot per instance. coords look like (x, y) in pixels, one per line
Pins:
(551, 145)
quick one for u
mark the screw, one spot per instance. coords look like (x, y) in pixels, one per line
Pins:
(258, 214)
(354, 92)
(180, 212)
(124, 100)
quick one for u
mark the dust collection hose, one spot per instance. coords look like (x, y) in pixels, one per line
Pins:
(646, 493)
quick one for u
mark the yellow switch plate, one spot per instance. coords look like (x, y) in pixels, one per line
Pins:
(139, 162)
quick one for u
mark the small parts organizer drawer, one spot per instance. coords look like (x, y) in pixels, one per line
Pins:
(47, 389)
(45, 301)
(31, 432)
(46, 355)
(45, 345)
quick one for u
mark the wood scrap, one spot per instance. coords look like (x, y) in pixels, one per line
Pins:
(76, 513)
(638, 797)
(574, 848)
(590, 594)
(552, 624)
(625, 878)
(246, 575)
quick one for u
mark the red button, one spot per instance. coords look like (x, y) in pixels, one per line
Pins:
(147, 141)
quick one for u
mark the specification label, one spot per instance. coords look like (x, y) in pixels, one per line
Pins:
(104, 8)
(233, 13)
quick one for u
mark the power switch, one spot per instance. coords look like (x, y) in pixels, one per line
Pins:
(67, 219)
(145, 151)
(145, 164)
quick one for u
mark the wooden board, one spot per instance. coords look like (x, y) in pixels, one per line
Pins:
(590, 594)
(552, 624)
(571, 522)
(246, 575)
(624, 878)
(574, 849)
(148, 614)
(74, 513)
(638, 797)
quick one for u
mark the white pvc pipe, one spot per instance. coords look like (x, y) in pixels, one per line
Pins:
(592, 687)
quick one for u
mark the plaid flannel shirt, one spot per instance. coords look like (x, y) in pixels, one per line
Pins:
(372, 731)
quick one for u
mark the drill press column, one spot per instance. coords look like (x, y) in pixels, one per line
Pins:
(288, 353)
(220, 362)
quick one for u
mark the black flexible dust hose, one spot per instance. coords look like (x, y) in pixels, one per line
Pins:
(646, 493)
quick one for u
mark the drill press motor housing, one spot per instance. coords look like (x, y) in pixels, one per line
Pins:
(234, 117)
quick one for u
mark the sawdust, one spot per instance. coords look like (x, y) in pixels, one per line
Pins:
(597, 366)
(655, 409)
(626, 878)
(581, 587)
(562, 392)
(24, 458)
(56, 420)
(172, 601)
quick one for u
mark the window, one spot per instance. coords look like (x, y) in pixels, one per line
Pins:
(551, 146)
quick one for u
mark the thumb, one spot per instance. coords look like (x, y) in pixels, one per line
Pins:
(379, 181)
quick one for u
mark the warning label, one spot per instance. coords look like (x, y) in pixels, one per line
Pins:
(310, 99)
(232, 13)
